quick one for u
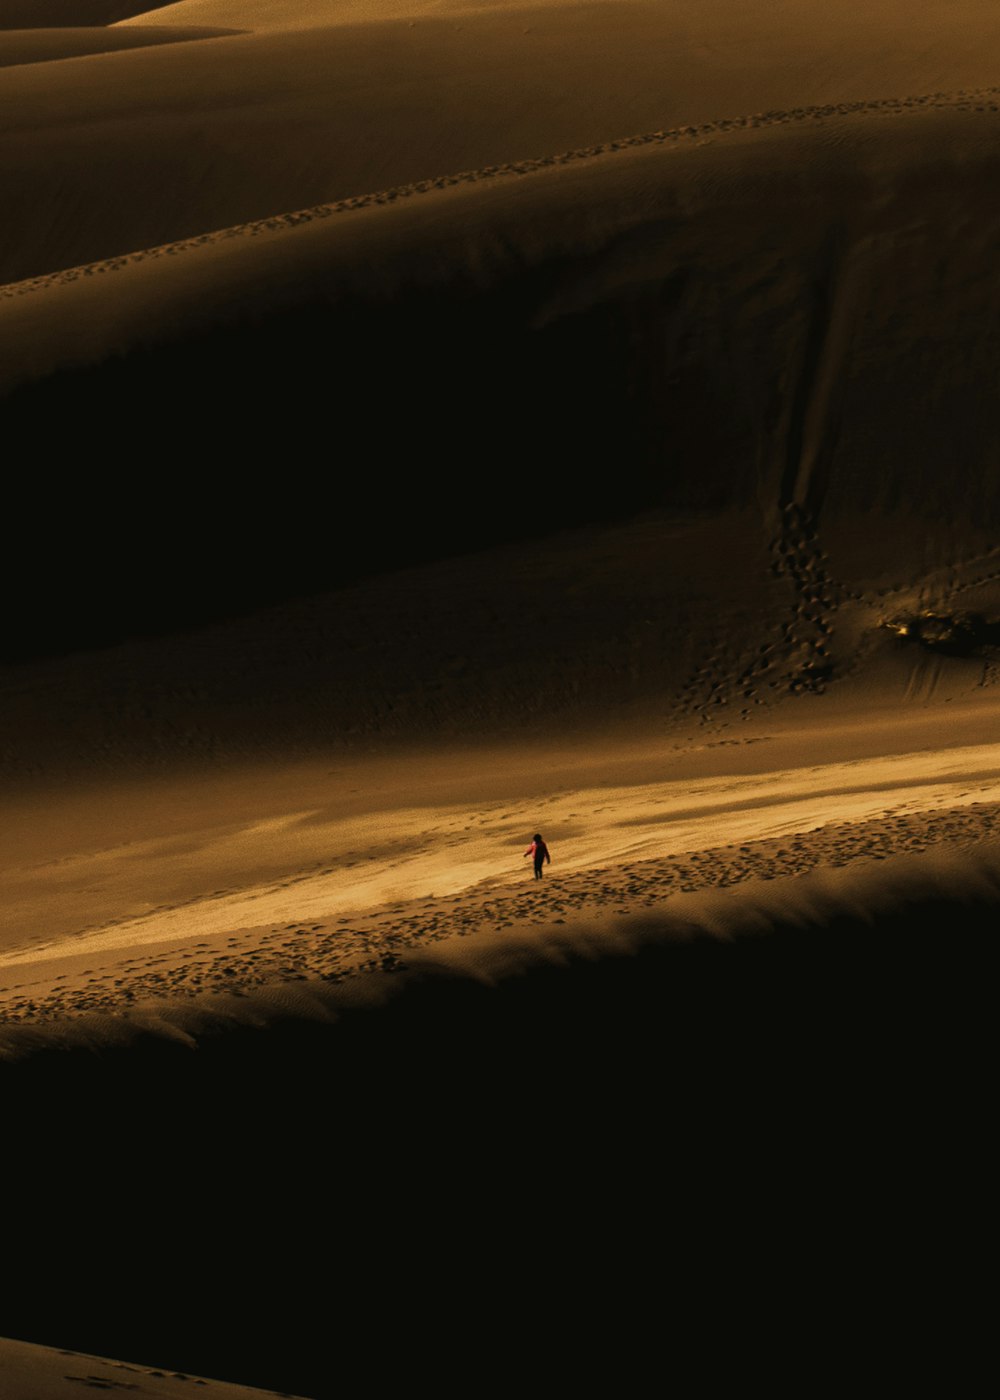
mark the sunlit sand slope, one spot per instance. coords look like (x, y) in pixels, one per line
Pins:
(308, 14)
(261, 124)
(164, 923)
(20, 46)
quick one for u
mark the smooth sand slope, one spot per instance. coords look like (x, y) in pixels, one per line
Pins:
(270, 121)
(21, 46)
(435, 425)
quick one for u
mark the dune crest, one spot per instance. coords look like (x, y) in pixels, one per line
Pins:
(21, 46)
(63, 14)
(262, 15)
(290, 119)
(567, 282)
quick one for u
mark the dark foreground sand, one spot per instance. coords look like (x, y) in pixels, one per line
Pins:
(560, 1145)
(522, 1123)
(434, 424)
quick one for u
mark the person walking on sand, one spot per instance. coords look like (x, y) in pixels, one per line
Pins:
(540, 851)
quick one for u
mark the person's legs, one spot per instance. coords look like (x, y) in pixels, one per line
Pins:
(538, 869)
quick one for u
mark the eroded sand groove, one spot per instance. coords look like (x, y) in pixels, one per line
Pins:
(983, 99)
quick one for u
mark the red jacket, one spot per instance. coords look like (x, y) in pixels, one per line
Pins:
(540, 851)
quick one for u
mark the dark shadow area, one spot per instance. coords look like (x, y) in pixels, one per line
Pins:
(440, 376)
(952, 634)
(57, 14)
(560, 1176)
(257, 464)
(429, 398)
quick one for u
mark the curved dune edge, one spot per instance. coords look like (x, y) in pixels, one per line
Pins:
(816, 363)
(287, 119)
(51, 1373)
(60, 14)
(303, 14)
(26, 46)
(857, 874)
(983, 99)
(582, 289)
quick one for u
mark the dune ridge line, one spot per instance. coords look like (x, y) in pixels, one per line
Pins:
(986, 99)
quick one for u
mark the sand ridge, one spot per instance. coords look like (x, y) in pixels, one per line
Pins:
(292, 118)
(983, 100)
(47, 45)
(294, 14)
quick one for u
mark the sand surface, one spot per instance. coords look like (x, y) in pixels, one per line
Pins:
(429, 424)
(272, 876)
(48, 1374)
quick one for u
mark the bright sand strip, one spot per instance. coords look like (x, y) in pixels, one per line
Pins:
(187, 912)
(435, 852)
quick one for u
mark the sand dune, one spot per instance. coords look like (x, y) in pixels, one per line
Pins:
(20, 46)
(303, 14)
(430, 423)
(285, 119)
(816, 362)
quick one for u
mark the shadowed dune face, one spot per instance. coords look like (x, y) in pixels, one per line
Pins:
(794, 311)
(550, 1119)
(685, 327)
(58, 14)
